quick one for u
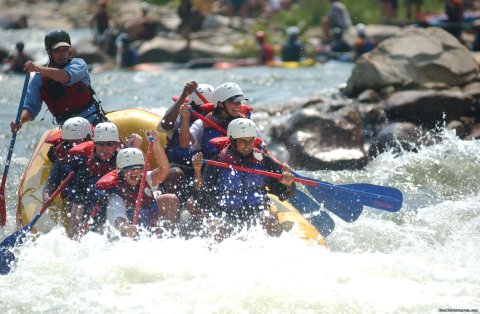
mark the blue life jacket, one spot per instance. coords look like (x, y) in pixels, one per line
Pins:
(242, 194)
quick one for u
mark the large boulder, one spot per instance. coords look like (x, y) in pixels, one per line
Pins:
(427, 107)
(414, 58)
(325, 140)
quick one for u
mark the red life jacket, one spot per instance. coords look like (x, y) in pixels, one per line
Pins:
(223, 141)
(95, 166)
(227, 156)
(129, 194)
(65, 101)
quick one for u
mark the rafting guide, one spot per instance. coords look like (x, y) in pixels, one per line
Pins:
(63, 84)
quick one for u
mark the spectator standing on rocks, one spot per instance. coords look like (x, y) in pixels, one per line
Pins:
(388, 10)
(234, 6)
(337, 17)
(191, 17)
(414, 8)
(100, 25)
(454, 10)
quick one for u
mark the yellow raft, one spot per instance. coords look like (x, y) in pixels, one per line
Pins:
(128, 121)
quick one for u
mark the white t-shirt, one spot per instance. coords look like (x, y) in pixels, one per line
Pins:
(196, 129)
(116, 207)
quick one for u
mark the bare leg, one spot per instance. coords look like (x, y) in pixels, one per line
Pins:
(174, 180)
(168, 211)
(76, 221)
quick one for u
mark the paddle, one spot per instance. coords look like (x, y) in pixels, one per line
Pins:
(143, 182)
(346, 201)
(16, 238)
(322, 222)
(3, 207)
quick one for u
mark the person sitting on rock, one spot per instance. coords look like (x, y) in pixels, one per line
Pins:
(265, 52)
(363, 43)
(15, 61)
(293, 49)
(144, 27)
(127, 56)
(337, 17)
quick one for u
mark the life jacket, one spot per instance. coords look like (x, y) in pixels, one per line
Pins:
(243, 194)
(148, 209)
(223, 141)
(268, 54)
(96, 167)
(65, 101)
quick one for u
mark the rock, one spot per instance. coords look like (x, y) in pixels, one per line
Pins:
(17, 21)
(369, 96)
(427, 108)
(399, 137)
(89, 52)
(411, 59)
(161, 49)
(317, 140)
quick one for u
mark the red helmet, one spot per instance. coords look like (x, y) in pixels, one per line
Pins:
(260, 35)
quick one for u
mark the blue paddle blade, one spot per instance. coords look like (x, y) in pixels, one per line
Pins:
(322, 222)
(340, 205)
(16, 238)
(6, 260)
(389, 199)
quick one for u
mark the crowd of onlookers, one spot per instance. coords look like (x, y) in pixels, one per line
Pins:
(116, 40)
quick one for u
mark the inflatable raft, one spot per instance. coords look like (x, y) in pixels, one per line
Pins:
(128, 121)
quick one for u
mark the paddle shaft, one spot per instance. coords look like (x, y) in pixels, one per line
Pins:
(255, 171)
(143, 182)
(3, 207)
(201, 96)
(52, 197)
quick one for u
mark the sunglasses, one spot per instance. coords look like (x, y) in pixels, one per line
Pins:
(106, 144)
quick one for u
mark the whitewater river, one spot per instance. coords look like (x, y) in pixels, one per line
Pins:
(424, 259)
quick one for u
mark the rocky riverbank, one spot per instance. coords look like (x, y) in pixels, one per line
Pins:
(415, 81)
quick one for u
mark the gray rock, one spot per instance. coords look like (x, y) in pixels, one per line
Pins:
(411, 59)
(317, 140)
(402, 136)
(428, 107)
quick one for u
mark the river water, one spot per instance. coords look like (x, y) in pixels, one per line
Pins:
(420, 260)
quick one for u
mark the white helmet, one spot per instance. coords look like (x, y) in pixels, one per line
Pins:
(204, 89)
(293, 31)
(361, 30)
(76, 128)
(242, 127)
(228, 91)
(106, 132)
(130, 158)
